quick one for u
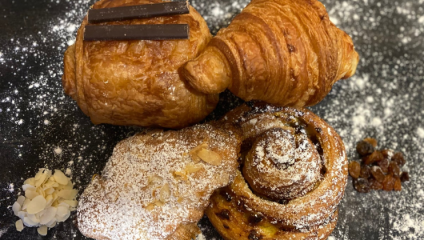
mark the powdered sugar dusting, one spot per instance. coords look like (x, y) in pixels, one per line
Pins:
(384, 101)
(387, 34)
(152, 184)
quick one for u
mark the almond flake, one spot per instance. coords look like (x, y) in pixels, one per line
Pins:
(60, 177)
(165, 193)
(24, 206)
(21, 214)
(192, 168)
(29, 181)
(16, 208)
(31, 194)
(42, 230)
(48, 215)
(210, 156)
(36, 205)
(193, 153)
(27, 187)
(19, 225)
(68, 194)
(21, 200)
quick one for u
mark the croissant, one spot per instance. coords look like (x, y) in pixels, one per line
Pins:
(156, 185)
(137, 82)
(282, 52)
(293, 176)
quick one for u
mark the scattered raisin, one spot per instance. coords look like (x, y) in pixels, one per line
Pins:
(387, 153)
(374, 184)
(384, 165)
(364, 148)
(365, 172)
(354, 169)
(404, 177)
(255, 219)
(254, 235)
(394, 169)
(378, 169)
(398, 185)
(377, 173)
(371, 141)
(224, 214)
(376, 156)
(361, 185)
(388, 183)
(399, 159)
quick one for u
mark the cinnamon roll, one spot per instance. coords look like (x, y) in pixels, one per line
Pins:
(292, 177)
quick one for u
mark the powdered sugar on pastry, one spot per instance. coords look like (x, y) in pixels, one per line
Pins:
(155, 182)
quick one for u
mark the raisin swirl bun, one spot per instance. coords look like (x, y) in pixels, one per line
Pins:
(292, 177)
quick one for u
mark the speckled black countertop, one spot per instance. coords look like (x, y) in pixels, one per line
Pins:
(383, 100)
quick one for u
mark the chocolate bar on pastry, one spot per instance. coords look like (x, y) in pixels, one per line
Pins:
(136, 82)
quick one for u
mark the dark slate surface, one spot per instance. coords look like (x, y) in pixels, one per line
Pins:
(384, 100)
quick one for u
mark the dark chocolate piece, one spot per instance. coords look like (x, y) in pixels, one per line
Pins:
(136, 32)
(137, 11)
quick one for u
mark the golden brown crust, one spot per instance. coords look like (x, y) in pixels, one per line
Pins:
(292, 180)
(282, 52)
(157, 185)
(137, 82)
(185, 231)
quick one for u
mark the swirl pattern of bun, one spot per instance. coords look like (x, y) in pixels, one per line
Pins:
(292, 178)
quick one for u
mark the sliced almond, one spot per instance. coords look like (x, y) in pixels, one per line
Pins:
(34, 218)
(159, 203)
(28, 187)
(20, 200)
(39, 173)
(180, 175)
(22, 214)
(68, 194)
(16, 208)
(210, 156)
(31, 194)
(49, 191)
(48, 215)
(19, 225)
(49, 200)
(193, 152)
(36, 205)
(52, 223)
(40, 191)
(154, 179)
(192, 168)
(27, 221)
(60, 177)
(26, 202)
(29, 181)
(165, 193)
(42, 230)
(71, 203)
(62, 213)
(42, 177)
(151, 206)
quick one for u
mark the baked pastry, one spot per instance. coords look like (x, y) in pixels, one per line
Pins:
(156, 185)
(136, 82)
(293, 176)
(282, 52)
